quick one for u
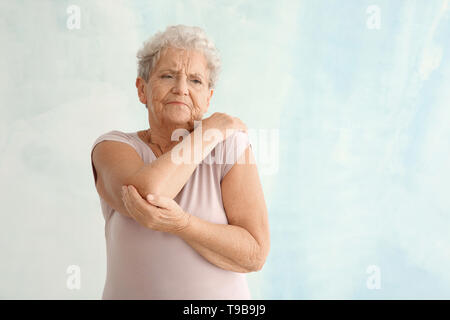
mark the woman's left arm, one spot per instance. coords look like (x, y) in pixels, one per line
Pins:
(243, 244)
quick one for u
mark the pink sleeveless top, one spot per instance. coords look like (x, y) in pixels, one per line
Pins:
(148, 264)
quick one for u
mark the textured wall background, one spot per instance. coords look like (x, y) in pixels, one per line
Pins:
(357, 90)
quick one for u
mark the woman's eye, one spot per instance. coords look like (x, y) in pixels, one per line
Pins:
(166, 76)
(196, 81)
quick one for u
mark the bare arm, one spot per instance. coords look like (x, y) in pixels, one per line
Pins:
(166, 177)
(116, 164)
(226, 246)
(243, 244)
(240, 246)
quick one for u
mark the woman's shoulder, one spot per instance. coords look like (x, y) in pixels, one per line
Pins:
(117, 135)
(231, 149)
(237, 140)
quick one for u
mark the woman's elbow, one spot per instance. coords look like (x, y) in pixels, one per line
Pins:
(261, 257)
(144, 184)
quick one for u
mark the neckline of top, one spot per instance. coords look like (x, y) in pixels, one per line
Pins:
(143, 142)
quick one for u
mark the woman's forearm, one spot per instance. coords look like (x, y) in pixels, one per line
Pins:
(227, 246)
(167, 175)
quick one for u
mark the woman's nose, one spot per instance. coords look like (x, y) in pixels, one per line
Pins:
(180, 86)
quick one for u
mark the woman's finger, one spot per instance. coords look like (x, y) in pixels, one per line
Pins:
(159, 201)
(136, 200)
(129, 205)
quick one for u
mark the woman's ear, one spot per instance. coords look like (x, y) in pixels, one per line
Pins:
(140, 85)
(210, 96)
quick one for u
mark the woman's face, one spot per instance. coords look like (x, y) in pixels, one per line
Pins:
(177, 92)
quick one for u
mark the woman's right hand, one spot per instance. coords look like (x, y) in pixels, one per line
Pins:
(223, 122)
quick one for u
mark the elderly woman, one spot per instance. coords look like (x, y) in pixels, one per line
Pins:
(176, 229)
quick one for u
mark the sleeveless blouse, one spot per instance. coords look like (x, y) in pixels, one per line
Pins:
(146, 264)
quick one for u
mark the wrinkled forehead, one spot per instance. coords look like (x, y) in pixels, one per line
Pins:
(182, 60)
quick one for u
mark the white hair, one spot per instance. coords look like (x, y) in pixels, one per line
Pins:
(179, 36)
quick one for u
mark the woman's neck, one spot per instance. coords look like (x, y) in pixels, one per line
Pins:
(162, 138)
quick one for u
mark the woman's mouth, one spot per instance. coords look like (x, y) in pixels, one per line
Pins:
(177, 102)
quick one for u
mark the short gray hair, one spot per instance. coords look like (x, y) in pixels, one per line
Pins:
(179, 36)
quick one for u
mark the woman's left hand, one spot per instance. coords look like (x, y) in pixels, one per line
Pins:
(155, 212)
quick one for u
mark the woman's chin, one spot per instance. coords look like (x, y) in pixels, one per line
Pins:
(181, 118)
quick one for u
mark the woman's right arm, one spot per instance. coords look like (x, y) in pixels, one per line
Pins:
(119, 164)
(166, 176)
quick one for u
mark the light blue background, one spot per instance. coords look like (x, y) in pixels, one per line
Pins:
(363, 118)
